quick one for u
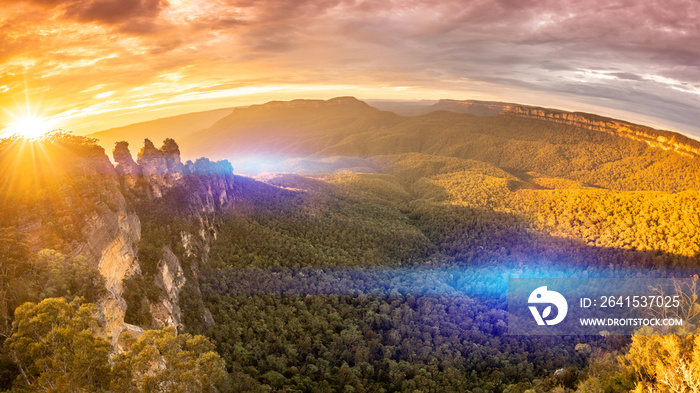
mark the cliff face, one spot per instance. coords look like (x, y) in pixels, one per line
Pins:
(70, 199)
(186, 199)
(112, 239)
(661, 139)
(73, 200)
(170, 279)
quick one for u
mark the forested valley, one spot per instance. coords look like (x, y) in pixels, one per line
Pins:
(396, 282)
(384, 272)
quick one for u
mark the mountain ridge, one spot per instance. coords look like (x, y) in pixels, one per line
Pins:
(586, 148)
(663, 139)
(348, 107)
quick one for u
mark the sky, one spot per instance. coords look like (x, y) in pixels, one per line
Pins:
(88, 65)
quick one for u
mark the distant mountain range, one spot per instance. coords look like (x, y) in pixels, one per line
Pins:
(504, 134)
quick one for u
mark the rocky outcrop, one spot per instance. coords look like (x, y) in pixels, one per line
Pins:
(160, 168)
(109, 214)
(128, 170)
(203, 190)
(171, 280)
(154, 168)
(661, 139)
(171, 153)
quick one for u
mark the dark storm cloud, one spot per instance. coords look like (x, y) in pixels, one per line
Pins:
(644, 54)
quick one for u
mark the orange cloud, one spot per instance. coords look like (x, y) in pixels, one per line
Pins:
(96, 60)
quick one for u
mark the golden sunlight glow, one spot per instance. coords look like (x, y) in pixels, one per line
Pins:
(30, 127)
(28, 121)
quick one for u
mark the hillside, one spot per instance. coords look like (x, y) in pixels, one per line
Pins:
(290, 135)
(299, 127)
(306, 134)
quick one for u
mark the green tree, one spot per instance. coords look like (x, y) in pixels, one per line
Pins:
(14, 264)
(55, 347)
(60, 275)
(670, 362)
(162, 361)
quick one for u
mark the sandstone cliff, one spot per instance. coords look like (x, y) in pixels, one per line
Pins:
(666, 140)
(70, 199)
(152, 219)
(661, 139)
(183, 202)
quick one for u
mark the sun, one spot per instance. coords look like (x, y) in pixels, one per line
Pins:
(30, 127)
(28, 121)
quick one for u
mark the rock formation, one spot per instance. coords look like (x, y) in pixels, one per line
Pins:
(661, 139)
(129, 170)
(207, 192)
(666, 140)
(106, 214)
(154, 167)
